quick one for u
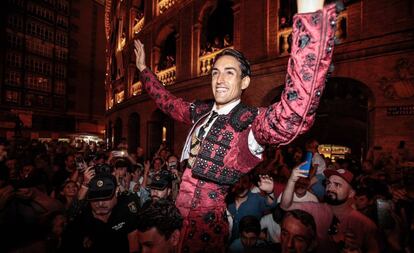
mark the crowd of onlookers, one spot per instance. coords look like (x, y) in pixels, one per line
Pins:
(81, 197)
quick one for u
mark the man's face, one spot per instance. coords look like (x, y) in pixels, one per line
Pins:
(103, 207)
(301, 187)
(160, 194)
(70, 162)
(226, 82)
(248, 239)
(171, 161)
(121, 171)
(295, 236)
(152, 241)
(157, 164)
(337, 190)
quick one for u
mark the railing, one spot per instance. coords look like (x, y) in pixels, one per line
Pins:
(283, 41)
(136, 88)
(167, 76)
(119, 97)
(138, 27)
(206, 62)
(341, 33)
(164, 5)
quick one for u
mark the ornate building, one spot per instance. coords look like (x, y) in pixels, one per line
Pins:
(52, 68)
(368, 100)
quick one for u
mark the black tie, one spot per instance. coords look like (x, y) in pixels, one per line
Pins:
(203, 128)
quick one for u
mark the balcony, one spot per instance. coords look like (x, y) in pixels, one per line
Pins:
(136, 88)
(340, 34)
(164, 5)
(167, 76)
(119, 97)
(138, 27)
(206, 61)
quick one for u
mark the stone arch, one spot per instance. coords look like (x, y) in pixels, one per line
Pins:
(216, 21)
(158, 122)
(343, 116)
(133, 132)
(165, 45)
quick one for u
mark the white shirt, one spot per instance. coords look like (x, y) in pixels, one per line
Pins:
(308, 197)
(273, 229)
(320, 162)
(254, 147)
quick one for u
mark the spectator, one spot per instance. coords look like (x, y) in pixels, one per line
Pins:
(298, 232)
(319, 166)
(248, 241)
(160, 186)
(159, 227)
(338, 224)
(243, 201)
(108, 225)
(68, 193)
(121, 173)
(301, 193)
(173, 166)
(64, 173)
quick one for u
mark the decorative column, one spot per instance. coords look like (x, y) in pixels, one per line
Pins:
(195, 68)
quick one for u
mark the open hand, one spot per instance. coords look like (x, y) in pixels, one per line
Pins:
(139, 55)
(266, 183)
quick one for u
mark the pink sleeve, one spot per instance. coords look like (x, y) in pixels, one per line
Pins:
(312, 47)
(176, 108)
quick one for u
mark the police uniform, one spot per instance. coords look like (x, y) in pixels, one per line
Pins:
(88, 234)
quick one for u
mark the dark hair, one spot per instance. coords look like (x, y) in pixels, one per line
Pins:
(161, 214)
(305, 218)
(244, 63)
(249, 224)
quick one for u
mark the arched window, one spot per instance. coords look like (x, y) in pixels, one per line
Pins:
(217, 28)
(342, 118)
(160, 129)
(168, 52)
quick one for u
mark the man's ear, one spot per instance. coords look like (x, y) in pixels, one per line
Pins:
(175, 237)
(245, 82)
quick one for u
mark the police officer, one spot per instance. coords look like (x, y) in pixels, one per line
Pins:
(108, 224)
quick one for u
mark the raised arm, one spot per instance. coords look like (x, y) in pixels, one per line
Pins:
(286, 202)
(311, 55)
(175, 107)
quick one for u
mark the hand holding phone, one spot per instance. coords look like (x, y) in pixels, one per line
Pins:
(80, 163)
(308, 160)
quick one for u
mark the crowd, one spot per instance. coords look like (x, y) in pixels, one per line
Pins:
(80, 197)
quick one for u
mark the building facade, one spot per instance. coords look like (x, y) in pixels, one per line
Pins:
(52, 68)
(368, 101)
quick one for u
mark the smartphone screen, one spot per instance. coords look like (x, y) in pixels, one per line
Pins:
(308, 160)
(80, 163)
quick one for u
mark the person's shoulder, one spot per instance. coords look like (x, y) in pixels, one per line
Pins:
(357, 217)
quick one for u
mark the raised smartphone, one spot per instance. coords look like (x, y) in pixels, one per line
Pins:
(308, 160)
